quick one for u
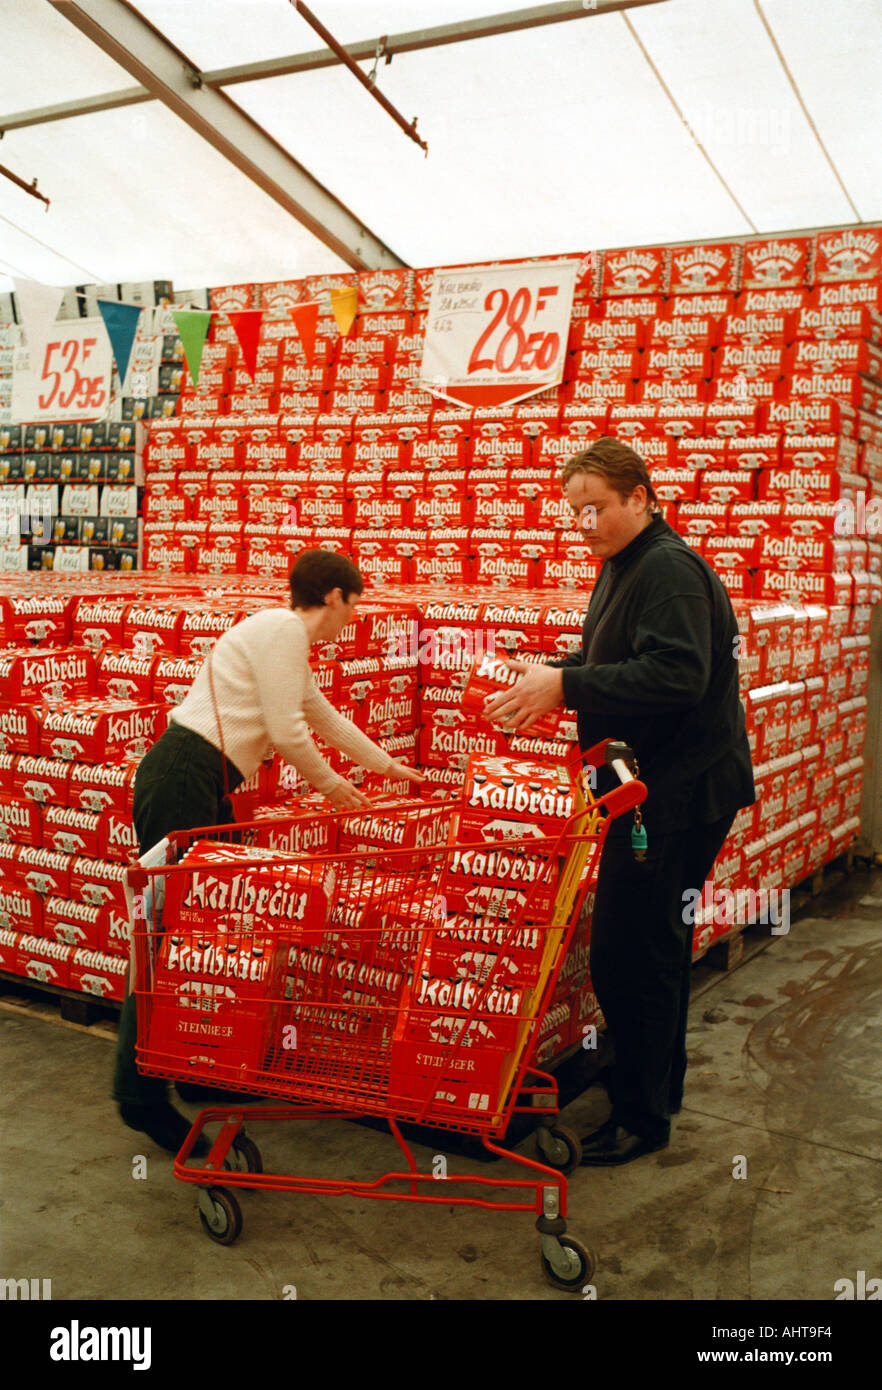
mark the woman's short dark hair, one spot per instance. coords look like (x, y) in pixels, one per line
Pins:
(316, 572)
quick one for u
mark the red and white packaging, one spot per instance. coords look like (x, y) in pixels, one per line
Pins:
(97, 622)
(700, 451)
(688, 390)
(100, 884)
(101, 731)
(702, 519)
(638, 270)
(682, 331)
(164, 502)
(835, 322)
(215, 1001)
(675, 484)
(122, 676)
(84, 926)
(117, 840)
(797, 484)
(99, 973)
(19, 729)
(607, 332)
(251, 888)
(46, 962)
(852, 292)
(70, 831)
(153, 629)
(202, 627)
(518, 790)
(619, 363)
(841, 385)
(44, 780)
(52, 674)
(21, 910)
(173, 678)
(102, 787)
(167, 446)
(734, 417)
(754, 451)
(705, 267)
(36, 618)
(20, 821)
(445, 501)
(164, 550)
(450, 747)
(488, 676)
(852, 253)
(676, 364)
(775, 262)
(44, 871)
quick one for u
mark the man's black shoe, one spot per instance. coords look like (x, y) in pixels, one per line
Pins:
(162, 1123)
(613, 1145)
(190, 1091)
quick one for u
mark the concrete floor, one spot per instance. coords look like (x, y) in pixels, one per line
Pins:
(785, 1078)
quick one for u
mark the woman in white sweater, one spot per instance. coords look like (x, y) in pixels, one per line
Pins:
(255, 692)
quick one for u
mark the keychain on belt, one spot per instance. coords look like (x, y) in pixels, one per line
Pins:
(639, 841)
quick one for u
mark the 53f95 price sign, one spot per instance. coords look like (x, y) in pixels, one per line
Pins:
(68, 376)
(497, 335)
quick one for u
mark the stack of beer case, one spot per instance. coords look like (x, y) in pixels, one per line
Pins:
(747, 374)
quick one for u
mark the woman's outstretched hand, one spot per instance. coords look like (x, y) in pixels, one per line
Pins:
(346, 797)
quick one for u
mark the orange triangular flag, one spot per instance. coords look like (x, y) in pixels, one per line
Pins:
(305, 318)
(344, 304)
(246, 323)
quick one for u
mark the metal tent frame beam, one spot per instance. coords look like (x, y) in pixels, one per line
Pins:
(366, 50)
(168, 75)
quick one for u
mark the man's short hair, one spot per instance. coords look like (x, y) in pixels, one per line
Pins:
(316, 572)
(621, 468)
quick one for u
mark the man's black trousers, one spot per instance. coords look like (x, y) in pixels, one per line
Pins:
(179, 785)
(641, 964)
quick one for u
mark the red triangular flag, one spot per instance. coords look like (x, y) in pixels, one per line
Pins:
(305, 318)
(246, 323)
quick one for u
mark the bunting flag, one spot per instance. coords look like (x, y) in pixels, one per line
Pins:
(192, 325)
(305, 318)
(344, 305)
(37, 310)
(246, 323)
(121, 322)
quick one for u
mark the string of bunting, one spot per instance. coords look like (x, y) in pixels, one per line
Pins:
(38, 305)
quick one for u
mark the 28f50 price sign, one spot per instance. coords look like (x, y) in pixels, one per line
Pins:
(496, 335)
(68, 376)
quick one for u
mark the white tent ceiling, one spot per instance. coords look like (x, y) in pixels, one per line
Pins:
(556, 139)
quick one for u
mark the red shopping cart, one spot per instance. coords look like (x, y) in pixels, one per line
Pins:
(400, 973)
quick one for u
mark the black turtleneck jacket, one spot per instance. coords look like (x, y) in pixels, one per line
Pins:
(659, 669)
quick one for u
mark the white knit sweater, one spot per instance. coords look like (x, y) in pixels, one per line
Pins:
(267, 698)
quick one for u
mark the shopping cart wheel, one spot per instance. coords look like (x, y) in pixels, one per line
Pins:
(248, 1154)
(567, 1263)
(559, 1147)
(220, 1214)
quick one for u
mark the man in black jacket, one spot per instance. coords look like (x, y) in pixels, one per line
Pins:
(658, 669)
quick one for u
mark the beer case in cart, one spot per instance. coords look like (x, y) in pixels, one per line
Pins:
(403, 973)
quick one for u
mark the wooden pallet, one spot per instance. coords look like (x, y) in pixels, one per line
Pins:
(822, 878)
(51, 1000)
(725, 952)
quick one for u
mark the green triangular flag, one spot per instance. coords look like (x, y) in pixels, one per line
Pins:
(193, 327)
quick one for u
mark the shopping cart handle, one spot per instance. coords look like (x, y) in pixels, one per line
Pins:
(618, 756)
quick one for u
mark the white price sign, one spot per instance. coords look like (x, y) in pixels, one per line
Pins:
(497, 334)
(67, 377)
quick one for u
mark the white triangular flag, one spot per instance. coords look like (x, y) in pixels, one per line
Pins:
(37, 307)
